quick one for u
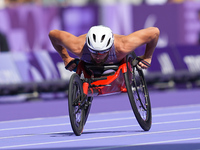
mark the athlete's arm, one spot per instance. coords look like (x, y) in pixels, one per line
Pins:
(129, 43)
(63, 41)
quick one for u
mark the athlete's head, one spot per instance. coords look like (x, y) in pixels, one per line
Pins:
(99, 40)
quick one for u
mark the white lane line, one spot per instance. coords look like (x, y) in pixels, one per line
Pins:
(177, 121)
(98, 138)
(147, 143)
(192, 106)
(96, 121)
(167, 141)
(64, 124)
(196, 106)
(177, 113)
(97, 129)
(30, 127)
(33, 119)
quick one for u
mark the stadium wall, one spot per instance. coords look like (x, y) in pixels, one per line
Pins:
(32, 64)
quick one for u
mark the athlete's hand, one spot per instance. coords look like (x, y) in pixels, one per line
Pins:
(142, 65)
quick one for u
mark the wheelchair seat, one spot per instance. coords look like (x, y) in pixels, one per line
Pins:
(99, 71)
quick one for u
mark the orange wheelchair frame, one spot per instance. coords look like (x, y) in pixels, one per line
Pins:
(125, 77)
(105, 84)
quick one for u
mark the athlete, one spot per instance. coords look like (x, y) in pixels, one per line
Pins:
(100, 46)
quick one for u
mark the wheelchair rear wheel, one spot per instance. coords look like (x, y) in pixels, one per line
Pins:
(76, 99)
(138, 93)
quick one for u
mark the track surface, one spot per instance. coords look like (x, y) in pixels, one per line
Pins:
(173, 127)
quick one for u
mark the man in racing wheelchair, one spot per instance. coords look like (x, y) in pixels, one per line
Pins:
(100, 46)
(99, 51)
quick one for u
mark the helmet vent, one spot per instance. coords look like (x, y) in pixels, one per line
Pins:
(103, 37)
(94, 37)
(108, 42)
(88, 41)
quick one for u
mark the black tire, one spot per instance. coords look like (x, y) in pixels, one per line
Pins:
(76, 112)
(138, 93)
(88, 107)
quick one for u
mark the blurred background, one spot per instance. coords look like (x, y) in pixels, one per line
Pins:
(31, 69)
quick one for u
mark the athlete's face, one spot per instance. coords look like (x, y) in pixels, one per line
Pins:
(99, 58)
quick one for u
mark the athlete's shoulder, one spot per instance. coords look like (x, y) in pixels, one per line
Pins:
(118, 36)
(83, 36)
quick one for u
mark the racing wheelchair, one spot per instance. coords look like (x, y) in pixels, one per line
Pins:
(123, 77)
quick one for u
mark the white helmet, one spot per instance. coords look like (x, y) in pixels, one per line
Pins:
(99, 39)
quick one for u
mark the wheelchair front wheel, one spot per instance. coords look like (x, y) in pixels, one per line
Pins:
(138, 93)
(75, 107)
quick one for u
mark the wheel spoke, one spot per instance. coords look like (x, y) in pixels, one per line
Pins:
(138, 93)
